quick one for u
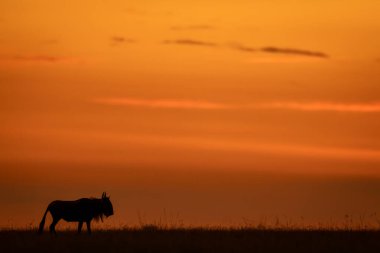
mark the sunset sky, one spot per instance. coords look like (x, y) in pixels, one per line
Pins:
(210, 112)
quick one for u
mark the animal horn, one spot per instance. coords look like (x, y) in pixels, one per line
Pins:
(104, 195)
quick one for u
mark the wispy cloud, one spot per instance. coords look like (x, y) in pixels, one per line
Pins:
(281, 59)
(209, 105)
(248, 49)
(124, 142)
(45, 58)
(191, 42)
(33, 58)
(162, 103)
(192, 27)
(243, 48)
(288, 149)
(293, 51)
(116, 40)
(321, 106)
(277, 50)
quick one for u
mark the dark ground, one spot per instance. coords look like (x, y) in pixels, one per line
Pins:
(193, 240)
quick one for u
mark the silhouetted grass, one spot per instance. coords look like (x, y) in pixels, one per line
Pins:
(156, 239)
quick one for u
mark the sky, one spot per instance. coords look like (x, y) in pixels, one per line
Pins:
(201, 112)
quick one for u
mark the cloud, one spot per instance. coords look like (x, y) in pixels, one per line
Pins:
(243, 48)
(192, 27)
(33, 58)
(121, 39)
(239, 47)
(191, 42)
(209, 105)
(287, 149)
(321, 106)
(283, 59)
(293, 51)
(162, 103)
(277, 50)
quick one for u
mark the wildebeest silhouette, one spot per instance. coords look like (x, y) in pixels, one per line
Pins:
(81, 210)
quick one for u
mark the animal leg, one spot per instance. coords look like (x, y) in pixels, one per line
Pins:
(52, 226)
(88, 223)
(80, 224)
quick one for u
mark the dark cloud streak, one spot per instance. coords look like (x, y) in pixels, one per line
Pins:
(242, 48)
(120, 39)
(191, 42)
(293, 51)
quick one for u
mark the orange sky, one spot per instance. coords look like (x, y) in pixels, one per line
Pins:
(255, 107)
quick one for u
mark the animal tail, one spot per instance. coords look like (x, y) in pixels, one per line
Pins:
(42, 223)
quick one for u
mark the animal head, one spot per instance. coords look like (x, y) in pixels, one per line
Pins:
(107, 208)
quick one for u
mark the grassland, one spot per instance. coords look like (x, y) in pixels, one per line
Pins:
(151, 239)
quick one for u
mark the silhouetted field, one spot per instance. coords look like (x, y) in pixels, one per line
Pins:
(193, 240)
